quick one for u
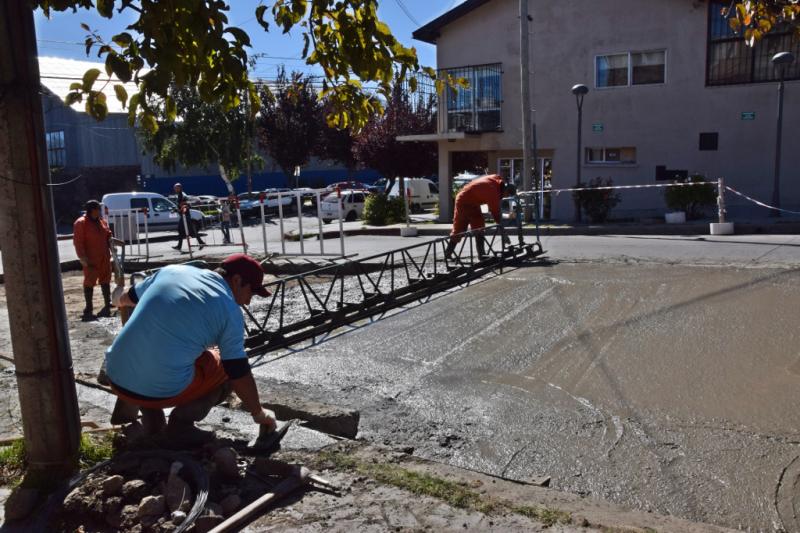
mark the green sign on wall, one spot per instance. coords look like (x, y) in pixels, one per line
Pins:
(748, 115)
(597, 127)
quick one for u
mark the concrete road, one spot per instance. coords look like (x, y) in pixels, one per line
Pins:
(663, 387)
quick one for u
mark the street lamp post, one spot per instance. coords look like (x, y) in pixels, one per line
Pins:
(579, 91)
(780, 61)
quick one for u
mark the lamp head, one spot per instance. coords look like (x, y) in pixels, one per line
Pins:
(580, 89)
(782, 58)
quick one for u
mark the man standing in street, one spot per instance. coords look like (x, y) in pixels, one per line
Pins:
(185, 219)
(92, 239)
(183, 346)
(486, 190)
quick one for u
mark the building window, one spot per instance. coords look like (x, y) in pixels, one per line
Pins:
(631, 68)
(709, 141)
(56, 149)
(731, 61)
(611, 156)
(476, 108)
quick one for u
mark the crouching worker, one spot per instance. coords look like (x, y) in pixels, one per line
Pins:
(183, 347)
(488, 190)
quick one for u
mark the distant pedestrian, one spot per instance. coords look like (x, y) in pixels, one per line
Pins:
(225, 222)
(185, 219)
(92, 239)
(486, 190)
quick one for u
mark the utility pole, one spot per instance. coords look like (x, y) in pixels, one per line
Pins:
(525, 91)
(34, 295)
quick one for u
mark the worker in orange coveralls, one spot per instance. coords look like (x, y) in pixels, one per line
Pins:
(489, 190)
(92, 239)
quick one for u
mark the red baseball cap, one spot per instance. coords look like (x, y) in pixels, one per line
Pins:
(250, 271)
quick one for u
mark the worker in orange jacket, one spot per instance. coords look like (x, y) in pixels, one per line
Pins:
(488, 190)
(92, 239)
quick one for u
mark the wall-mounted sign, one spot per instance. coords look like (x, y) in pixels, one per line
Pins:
(748, 115)
(597, 127)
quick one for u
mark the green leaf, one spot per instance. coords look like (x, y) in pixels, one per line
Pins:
(85, 26)
(75, 86)
(89, 78)
(260, 10)
(148, 122)
(171, 109)
(121, 68)
(122, 94)
(239, 34)
(123, 39)
(73, 98)
(105, 8)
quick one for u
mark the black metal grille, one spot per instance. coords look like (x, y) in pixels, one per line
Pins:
(731, 61)
(476, 108)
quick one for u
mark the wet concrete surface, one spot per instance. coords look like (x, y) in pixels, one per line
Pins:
(665, 388)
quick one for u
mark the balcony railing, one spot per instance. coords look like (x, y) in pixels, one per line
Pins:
(476, 108)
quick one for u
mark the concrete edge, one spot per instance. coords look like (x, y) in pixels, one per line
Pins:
(586, 512)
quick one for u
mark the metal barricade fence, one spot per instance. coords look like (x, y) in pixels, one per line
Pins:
(281, 201)
(127, 225)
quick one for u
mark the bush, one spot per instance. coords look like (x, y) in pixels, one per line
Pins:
(691, 200)
(597, 204)
(380, 210)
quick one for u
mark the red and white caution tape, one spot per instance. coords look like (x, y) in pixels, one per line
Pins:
(612, 187)
(762, 204)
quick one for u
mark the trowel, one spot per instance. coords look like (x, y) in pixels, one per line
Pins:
(269, 441)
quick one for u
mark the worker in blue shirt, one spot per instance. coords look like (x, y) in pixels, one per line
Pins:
(183, 346)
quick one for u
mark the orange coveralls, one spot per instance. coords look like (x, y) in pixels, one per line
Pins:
(484, 190)
(91, 240)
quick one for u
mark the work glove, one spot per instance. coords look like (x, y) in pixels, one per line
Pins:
(119, 290)
(265, 417)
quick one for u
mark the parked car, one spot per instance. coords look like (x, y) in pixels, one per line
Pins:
(424, 193)
(352, 202)
(161, 213)
(350, 185)
(462, 179)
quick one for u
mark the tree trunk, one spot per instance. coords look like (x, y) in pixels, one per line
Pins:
(224, 175)
(34, 295)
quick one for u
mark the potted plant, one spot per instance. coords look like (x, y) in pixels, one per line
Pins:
(597, 204)
(689, 202)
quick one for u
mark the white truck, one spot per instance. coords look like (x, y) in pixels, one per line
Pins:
(160, 213)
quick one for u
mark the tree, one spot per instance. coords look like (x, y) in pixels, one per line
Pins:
(756, 18)
(191, 43)
(205, 135)
(336, 144)
(290, 121)
(376, 145)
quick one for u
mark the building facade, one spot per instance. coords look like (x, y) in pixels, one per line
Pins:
(672, 91)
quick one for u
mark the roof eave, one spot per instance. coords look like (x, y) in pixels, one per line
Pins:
(429, 33)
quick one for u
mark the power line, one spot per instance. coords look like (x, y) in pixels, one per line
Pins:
(407, 12)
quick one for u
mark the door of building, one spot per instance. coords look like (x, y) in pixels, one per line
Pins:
(511, 170)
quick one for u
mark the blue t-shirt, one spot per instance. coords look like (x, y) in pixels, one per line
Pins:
(182, 311)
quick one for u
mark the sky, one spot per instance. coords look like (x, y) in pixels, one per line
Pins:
(62, 35)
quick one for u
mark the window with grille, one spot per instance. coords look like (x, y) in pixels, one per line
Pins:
(56, 149)
(476, 108)
(731, 61)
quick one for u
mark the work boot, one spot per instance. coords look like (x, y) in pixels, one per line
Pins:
(181, 431)
(480, 245)
(451, 247)
(105, 288)
(153, 421)
(179, 245)
(88, 293)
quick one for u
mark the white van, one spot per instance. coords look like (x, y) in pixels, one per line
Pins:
(352, 205)
(162, 214)
(424, 193)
